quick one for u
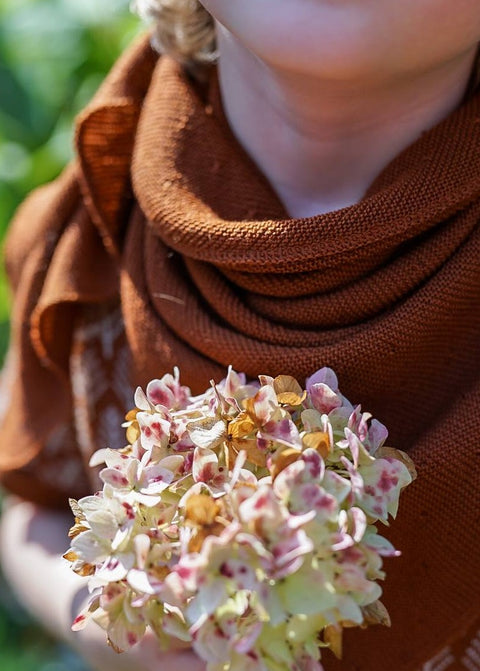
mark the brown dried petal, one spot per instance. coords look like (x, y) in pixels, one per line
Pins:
(114, 647)
(76, 530)
(76, 510)
(286, 383)
(376, 613)
(70, 556)
(85, 570)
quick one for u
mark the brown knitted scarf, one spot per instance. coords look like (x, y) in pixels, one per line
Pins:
(211, 271)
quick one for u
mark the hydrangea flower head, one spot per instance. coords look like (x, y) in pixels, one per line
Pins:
(241, 520)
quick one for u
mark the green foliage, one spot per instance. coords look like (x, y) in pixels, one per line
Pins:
(53, 55)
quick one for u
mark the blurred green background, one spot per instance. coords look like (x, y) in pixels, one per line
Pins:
(53, 55)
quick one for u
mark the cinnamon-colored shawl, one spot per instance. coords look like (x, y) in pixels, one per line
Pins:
(209, 270)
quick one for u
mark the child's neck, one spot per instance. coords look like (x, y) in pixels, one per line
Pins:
(321, 143)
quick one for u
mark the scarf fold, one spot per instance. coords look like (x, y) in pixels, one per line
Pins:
(211, 271)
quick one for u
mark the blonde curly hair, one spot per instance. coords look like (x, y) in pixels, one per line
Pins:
(182, 28)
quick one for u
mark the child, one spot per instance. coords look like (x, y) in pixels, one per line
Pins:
(314, 200)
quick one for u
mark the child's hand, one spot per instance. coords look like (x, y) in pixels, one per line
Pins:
(32, 541)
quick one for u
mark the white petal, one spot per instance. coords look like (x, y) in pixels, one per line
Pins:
(207, 432)
(139, 581)
(141, 401)
(98, 457)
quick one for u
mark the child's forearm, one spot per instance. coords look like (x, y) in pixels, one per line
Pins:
(32, 541)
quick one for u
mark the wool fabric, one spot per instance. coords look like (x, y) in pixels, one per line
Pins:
(164, 213)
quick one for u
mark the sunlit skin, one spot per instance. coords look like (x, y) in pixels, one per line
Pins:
(352, 39)
(324, 94)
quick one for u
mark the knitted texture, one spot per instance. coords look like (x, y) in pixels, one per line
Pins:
(210, 271)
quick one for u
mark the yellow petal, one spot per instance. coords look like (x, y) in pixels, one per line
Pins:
(255, 456)
(333, 635)
(283, 459)
(288, 391)
(231, 454)
(249, 405)
(133, 432)
(290, 398)
(131, 415)
(319, 441)
(240, 427)
(196, 542)
(201, 509)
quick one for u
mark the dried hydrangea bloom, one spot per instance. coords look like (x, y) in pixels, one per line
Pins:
(242, 521)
